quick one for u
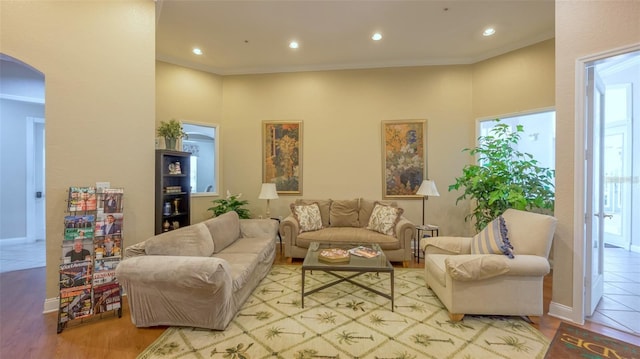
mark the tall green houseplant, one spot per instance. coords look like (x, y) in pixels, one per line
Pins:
(503, 178)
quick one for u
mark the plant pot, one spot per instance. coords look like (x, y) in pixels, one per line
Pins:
(170, 143)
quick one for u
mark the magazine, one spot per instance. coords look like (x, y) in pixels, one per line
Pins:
(363, 251)
(75, 303)
(112, 200)
(79, 227)
(106, 297)
(82, 199)
(75, 274)
(107, 272)
(107, 246)
(79, 249)
(109, 223)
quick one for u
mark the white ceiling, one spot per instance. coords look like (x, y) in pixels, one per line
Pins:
(241, 37)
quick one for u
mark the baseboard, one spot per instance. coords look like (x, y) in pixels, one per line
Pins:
(52, 304)
(562, 311)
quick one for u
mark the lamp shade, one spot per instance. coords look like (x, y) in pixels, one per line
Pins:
(268, 191)
(428, 188)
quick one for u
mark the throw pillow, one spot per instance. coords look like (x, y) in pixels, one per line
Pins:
(308, 216)
(384, 218)
(493, 239)
(344, 213)
(324, 204)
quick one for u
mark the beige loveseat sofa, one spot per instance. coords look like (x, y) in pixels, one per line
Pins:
(199, 275)
(346, 222)
(492, 284)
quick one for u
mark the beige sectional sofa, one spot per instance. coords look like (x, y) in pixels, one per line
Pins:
(347, 222)
(198, 275)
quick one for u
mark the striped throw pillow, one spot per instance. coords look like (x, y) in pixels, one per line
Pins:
(493, 239)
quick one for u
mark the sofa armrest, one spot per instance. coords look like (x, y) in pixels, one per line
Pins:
(289, 228)
(254, 228)
(470, 267)
(135, 250)
(175, 273)
(446, 245)
(405, 231)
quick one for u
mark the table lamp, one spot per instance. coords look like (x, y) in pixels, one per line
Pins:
(268, 192)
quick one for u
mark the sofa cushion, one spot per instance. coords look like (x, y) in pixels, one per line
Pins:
(224, 229)
(493, 239)
(384, 219)
(365, 207)
(308, 216)
(344, 213)
(325, 207)
(192, 241)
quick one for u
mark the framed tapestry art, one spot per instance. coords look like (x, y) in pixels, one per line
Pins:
(282, 155)
(404, 157)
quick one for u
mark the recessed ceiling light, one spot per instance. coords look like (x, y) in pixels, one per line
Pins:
(293, 45)
(197, 51)
(488, 31)
(377, 36)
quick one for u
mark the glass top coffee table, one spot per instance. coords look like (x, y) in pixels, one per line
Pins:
(356, 265)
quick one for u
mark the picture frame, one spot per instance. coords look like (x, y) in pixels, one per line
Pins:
(282, 155)
(404, 158)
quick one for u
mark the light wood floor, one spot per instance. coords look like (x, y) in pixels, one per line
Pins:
(27, 333)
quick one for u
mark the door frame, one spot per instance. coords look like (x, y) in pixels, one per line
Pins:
(579, 205)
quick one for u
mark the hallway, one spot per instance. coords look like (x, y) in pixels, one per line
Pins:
(16, 254)
(620, 306)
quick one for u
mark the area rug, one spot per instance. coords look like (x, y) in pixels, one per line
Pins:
(345, 321)
(574, 342)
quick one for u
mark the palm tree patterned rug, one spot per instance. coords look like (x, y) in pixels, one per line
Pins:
(345, 321)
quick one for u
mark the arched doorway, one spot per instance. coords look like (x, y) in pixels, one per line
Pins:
(22, 159)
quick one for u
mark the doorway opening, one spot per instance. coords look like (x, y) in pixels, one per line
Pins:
(22, 161)
(612, 190)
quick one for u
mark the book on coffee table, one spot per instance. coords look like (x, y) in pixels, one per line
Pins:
(363, 251)
(334, 255)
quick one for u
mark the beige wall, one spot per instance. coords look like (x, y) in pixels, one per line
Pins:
(98, 62)
(583, 28)
(192, 96)
(518, 81)
(342, 113)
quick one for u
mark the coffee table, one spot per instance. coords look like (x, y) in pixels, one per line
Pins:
(356, 265)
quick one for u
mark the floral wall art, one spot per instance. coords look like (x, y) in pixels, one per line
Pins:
(404, 145)
(282, 155)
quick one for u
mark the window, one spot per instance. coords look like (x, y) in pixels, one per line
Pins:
(202, 143)
(538, 138)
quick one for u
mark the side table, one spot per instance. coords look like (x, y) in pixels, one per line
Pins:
(421, 230)
(277, 219)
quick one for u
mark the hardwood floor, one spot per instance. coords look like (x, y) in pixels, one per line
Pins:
(27, 333)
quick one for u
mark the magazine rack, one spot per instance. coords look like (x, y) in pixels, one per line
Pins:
(91, 249)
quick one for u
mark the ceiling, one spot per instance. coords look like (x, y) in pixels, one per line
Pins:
(243, 37)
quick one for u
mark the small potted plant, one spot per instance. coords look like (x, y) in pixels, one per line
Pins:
(231, 203)
(171, 131)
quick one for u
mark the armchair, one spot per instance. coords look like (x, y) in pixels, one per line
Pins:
(492, 284)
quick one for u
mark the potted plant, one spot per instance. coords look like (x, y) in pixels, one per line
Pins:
(231, 203)
(503, 178)
(171, 131)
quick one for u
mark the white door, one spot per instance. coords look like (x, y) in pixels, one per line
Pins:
(594, 216)
(35, 195)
